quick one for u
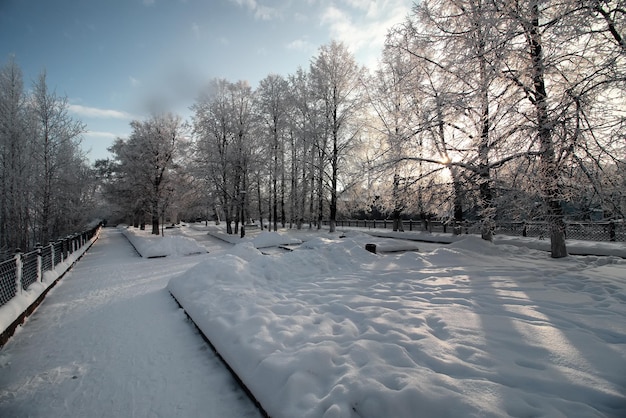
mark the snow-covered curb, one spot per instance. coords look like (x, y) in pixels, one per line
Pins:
(264, 239)
(150, 246)
(574, 247)
(13, 313)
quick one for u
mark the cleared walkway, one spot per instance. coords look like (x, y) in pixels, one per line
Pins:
(109, 341)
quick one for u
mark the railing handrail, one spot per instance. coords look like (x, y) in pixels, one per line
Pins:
(23, 269)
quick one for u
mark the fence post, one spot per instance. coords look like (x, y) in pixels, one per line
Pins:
(18, 271)
(39, 263)
(611, 231)
(51, 244)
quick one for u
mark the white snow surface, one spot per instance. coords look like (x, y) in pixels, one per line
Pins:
(110, 341)
(468, 329)
(154, 246)
(12, 310)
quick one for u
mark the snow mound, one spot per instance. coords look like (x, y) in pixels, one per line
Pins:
(273, 239)
(331, 330)
(150, 246)
(475, 243)
(246, 251)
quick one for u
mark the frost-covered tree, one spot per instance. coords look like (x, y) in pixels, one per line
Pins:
(15, 162)
(337, 80)
(144, 165)
(272, 106)
(56, 151)
(304, 135)
(222, 124)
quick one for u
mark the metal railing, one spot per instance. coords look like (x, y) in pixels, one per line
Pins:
(589, 231)
(24, 269)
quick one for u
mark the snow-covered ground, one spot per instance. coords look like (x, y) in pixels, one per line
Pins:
(11, 311)
(326, 330)
(109, 341)
(468, 329)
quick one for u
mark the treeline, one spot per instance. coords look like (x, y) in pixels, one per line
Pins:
(478, 109)
(45, 183)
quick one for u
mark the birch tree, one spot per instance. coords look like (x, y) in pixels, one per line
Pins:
(304, 128)
(57, 138)
(145, 163)
(15, 194)
(222, 125)
(338, 81)
(272, 107)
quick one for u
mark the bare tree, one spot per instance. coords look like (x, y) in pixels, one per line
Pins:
(14, 160)
(145, 162)
(272, 107)
(338, 82)
(57, 138)
(222, 125)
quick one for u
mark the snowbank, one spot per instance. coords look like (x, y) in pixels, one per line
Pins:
(13, 309)
(574, 247)
(151, 246)
(471, 329)
(261, 239)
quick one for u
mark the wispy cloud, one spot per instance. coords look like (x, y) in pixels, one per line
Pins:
(300, 45)
(261, 11)
(134, 81)
(102, 135)
(94, 112)
(362, 24)
(148, 2)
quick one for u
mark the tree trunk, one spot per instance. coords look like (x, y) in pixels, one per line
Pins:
(486, 195)
(548, 159)
(260, 203)
(155, 218)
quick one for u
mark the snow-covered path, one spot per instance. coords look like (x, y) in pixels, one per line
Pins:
(110, 341)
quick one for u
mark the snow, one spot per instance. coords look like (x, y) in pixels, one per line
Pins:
(327, 329)
(12, 310)
(469, 329)
(151, 246)
(109, 341)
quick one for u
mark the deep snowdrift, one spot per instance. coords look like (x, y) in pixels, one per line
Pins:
(470, 329)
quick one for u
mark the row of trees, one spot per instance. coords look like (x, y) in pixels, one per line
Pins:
(479, 108)
(274, 153)
(45, 183)
(523, 98)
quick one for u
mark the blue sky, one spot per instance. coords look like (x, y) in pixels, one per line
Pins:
(114, 58)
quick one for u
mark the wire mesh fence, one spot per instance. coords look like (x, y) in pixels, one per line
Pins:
(8, 281)
(57, 248)
(46, 258)
(589, 231)
(30, 269)
(20, 272)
